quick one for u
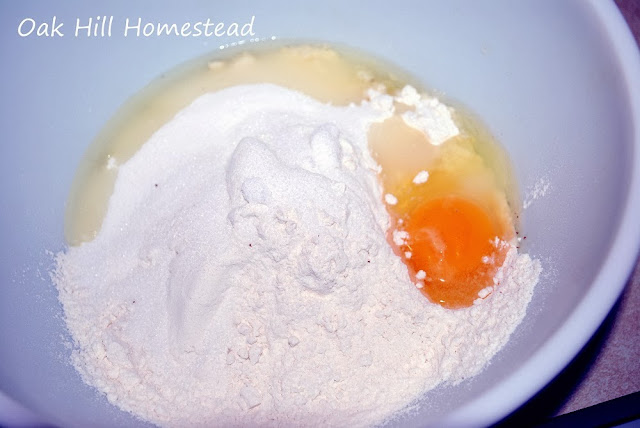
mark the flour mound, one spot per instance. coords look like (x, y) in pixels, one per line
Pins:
(242, 276)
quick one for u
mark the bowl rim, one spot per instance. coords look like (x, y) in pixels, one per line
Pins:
(563, 346)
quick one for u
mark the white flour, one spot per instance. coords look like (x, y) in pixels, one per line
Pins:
(539, 189)
(242, 276)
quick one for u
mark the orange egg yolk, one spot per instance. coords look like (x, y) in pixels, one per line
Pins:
(454, 252)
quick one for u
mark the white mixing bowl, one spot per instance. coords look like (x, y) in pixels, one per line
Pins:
(557, 82)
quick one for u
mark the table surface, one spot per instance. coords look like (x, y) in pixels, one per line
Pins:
(609, 365)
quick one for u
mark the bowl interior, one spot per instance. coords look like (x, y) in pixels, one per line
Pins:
(542, 75)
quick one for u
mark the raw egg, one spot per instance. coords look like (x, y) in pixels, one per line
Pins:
(450, 219)
(453, 247)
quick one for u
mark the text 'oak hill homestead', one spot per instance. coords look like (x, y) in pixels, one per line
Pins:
(106, 26)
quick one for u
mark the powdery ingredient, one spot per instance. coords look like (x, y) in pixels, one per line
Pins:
(421, 177)
(537, 191)
(242, 276)
(428, 115)
(390, 199)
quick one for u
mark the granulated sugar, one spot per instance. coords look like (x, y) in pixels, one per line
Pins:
(242, 276)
